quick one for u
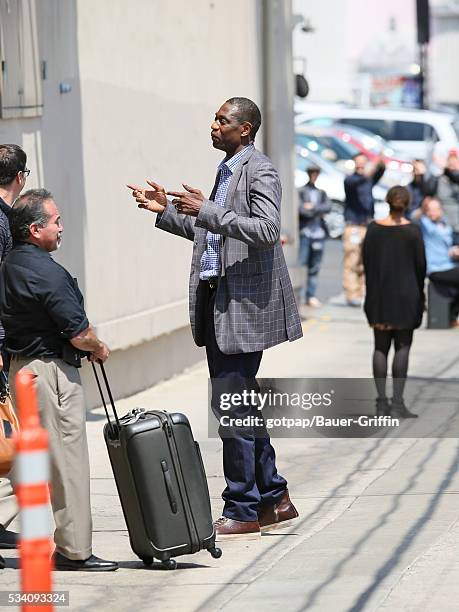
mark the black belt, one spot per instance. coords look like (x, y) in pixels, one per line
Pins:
(72, 357)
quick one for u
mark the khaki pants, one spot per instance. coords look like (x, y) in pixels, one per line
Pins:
(353, 276)
(63, 415)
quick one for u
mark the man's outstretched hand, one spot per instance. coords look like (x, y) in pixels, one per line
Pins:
(154, 200)
(187, 202)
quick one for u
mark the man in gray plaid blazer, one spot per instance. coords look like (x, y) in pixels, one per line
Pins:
(241, 301)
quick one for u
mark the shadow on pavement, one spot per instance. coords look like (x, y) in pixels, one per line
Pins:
(138, 565)
(11, 562)
(368, 456)
(410, 534)
(409, 537)
(91, 416)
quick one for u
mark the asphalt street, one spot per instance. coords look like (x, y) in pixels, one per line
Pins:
(330, 276)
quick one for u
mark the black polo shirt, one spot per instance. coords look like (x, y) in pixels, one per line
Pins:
(41, 306)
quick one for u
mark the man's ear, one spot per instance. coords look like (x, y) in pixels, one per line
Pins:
(246, 129)
(34, 230)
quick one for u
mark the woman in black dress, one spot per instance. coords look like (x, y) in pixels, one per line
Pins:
(395, 267)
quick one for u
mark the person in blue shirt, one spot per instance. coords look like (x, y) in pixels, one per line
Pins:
(441, 255)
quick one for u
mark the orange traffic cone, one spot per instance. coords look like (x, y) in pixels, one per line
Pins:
(32, 475)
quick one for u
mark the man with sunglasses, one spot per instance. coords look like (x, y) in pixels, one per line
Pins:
(13, 176)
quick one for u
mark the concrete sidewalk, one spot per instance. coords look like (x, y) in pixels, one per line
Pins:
(379, 521)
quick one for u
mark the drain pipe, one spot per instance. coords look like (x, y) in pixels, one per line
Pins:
(278, 99)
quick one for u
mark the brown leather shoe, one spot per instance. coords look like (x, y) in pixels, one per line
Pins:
(229, 529)
(281, 514)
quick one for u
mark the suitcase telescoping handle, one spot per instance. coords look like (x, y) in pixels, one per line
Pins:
(110, 396)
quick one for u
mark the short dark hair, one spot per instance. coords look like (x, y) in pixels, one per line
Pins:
(313, 169)
(398, 198)
(12, 160)
(247, 111)
(28, 208)
(359, 154)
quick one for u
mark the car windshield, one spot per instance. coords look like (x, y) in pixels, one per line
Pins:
(305, 159)
(376, 126)
(371, 142)
(319, 144)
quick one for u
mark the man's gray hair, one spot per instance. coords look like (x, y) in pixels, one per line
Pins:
(28, 208)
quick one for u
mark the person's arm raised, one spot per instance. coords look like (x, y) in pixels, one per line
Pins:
(376, 170)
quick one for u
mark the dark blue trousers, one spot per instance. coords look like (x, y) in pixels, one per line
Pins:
(249, 460)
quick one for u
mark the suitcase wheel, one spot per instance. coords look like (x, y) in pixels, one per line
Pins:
(147, 560)
(169, 564)
(215, 552)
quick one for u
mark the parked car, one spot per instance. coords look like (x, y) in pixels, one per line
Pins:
(398, 168)
(331, 180)
(339, 143)
(373, 146)
(326, 143)
(416, 133)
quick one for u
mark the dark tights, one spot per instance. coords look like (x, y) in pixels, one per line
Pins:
(402, 343)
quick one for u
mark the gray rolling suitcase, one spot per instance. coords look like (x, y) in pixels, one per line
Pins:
(161, 482)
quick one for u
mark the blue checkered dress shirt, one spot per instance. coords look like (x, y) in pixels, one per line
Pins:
(210, 260)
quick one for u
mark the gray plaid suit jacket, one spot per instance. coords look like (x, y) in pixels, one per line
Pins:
(255, 307)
